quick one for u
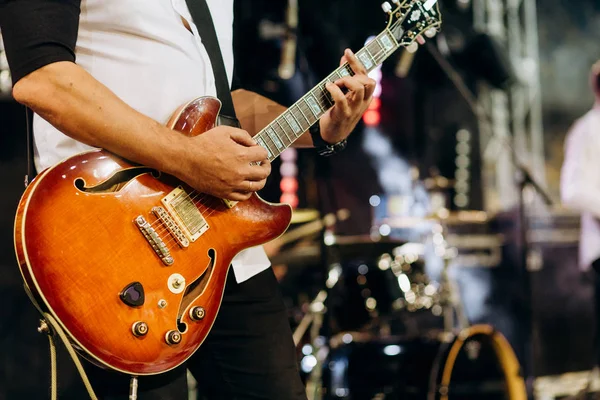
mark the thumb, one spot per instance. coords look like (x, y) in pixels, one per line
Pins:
(242, 137)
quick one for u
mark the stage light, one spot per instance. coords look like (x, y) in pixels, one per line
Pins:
(289, 185)
(375, 104)
(290, 198)
(372, 117)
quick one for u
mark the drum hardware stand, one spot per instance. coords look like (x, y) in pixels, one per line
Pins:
(449, 293)
(314, 315)
(133, 387)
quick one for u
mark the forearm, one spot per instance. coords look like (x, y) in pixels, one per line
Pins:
(256, 112)
(81, 107)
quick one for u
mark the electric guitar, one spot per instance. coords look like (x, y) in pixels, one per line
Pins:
(131, 262)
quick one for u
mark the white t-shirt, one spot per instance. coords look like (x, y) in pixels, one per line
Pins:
(141, 50)
(580, 182)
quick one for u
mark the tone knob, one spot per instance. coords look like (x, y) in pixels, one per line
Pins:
(173, 337)
(197, 313)
(139, 328)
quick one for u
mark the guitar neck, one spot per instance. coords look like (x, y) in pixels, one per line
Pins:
(290, 125)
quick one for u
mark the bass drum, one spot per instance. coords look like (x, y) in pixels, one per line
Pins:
(477, 364)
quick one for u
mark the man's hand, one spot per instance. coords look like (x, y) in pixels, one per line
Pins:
(340, 120)
(225, 162)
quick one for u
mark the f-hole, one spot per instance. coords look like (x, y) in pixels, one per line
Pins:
(117, 181)
(196, 288)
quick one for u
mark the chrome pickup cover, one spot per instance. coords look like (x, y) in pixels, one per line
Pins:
(184, 211)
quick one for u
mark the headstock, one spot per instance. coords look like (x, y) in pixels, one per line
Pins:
(412, 18)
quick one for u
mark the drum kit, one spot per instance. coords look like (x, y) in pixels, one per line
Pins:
(386, 325)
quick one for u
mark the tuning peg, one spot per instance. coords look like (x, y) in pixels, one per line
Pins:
(431, 32)
(396, 2)
(413, 47)
(386, 7)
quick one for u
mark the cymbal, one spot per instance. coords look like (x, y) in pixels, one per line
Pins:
(438, 183)
(441, 217)
(301, 216)
(298, 256)
(351, 240)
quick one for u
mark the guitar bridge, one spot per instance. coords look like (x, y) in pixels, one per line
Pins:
(158, 245)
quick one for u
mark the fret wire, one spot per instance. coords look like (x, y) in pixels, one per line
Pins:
(311, 105)
(291, 129)
(304, 115)
(280, 132)
(297, 123)
(266, 141)
(313, 117)
(322, 97)
(334, 74)
(371, 60)
(378, 51)
(283, 130)
(269, 140)
(275, 137)
(349, 69)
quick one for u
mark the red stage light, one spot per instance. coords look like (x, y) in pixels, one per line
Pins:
(371, 117)
(289, 184)
(375, 103)
(289, 198)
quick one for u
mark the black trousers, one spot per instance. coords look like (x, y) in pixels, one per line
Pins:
(249, 353)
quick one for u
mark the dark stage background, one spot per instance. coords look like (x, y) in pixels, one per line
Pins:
(420, 116)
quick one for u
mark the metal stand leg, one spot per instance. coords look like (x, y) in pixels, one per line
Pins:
(314, 316)
(133, 387)
(450, 294)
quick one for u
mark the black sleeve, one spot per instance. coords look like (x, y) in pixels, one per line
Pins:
(38, 32)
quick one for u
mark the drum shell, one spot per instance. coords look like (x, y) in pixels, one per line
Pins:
(477, 364)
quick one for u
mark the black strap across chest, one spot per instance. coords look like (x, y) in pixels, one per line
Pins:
(206, 28)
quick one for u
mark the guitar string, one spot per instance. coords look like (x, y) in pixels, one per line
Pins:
(198, 198)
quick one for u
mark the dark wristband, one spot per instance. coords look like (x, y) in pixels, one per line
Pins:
(322, 147)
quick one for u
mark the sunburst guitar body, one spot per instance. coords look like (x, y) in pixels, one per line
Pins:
(131, 262)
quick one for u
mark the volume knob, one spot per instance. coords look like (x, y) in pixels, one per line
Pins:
(139, 328)
(197, 313)
(173, 337)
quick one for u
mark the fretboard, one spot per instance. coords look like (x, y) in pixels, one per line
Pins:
(290, 125)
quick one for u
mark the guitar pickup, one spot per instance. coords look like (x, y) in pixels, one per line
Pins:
(171, 226)
(182, 209)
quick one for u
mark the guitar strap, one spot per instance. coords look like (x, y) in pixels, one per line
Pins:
(203, 20)
(31, 172)
(206, 28)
